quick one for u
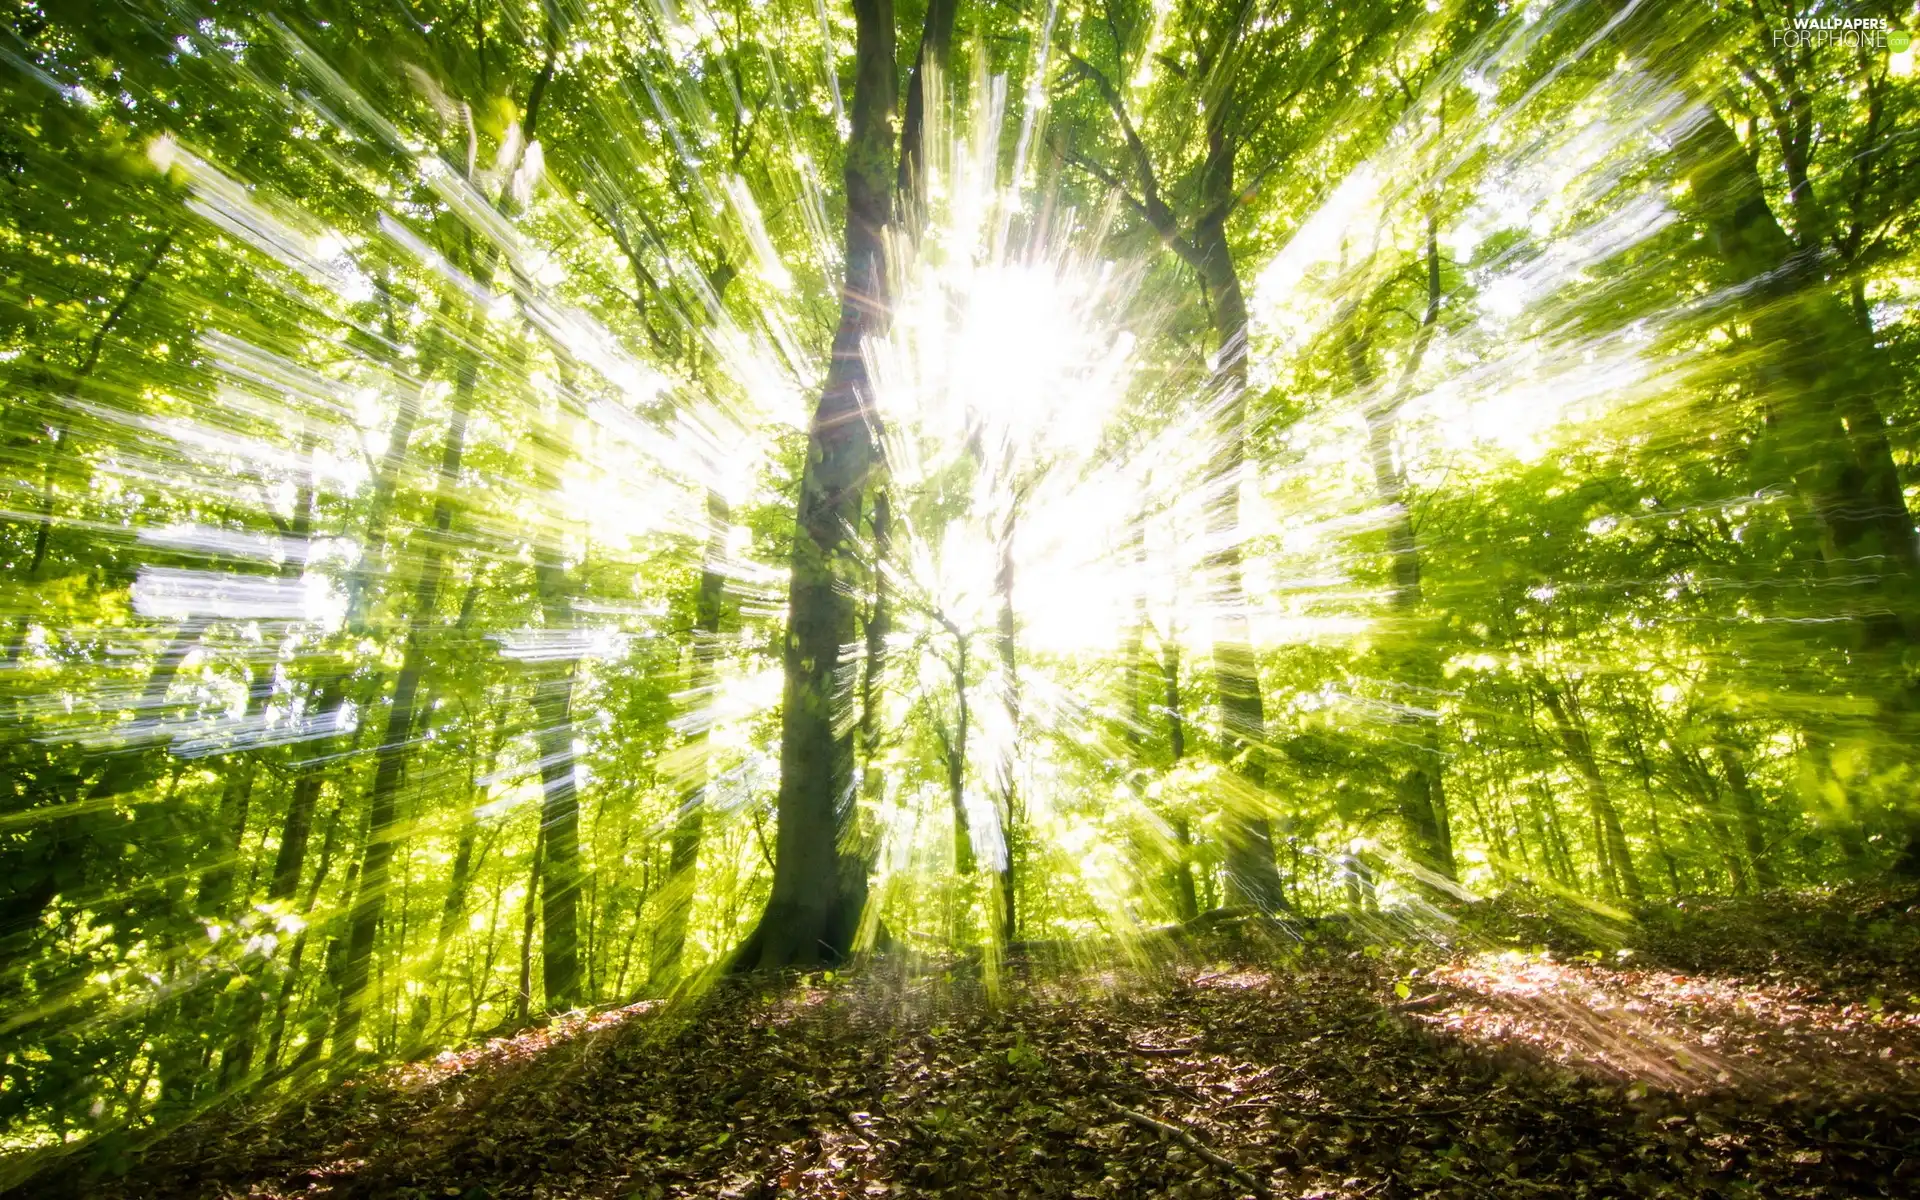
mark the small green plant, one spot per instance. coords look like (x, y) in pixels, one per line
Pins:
(1022, 1056)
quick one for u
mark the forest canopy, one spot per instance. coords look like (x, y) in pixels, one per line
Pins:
(518, 507)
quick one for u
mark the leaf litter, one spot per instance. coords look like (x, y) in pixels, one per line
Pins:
(1254, 1065)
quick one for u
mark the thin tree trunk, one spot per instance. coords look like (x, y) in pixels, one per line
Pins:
(1422, 799)
(1660, 846)
(1746, 811)
(390, 756)
(236, 799)
(1011, 825)
(477, 993)
(1560, 862)
(955, 745)
(1572, 730)
(560, 810)
(676, 893)
(1186, 899)
(523, 1004)
(459, 881)
(239, 1059)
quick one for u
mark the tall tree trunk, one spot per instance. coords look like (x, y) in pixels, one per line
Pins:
(238, 1061)
(323, 714)
(325, 708)
(390, 756)
(806, 919)
(929, 72)
(236, 800)
(1645, 769)
(459, 881)
(857, 841)
(1133, 691)
(1555, 838)
(1253, 878)
(560, 803)
(954, 744)
(1696, 777)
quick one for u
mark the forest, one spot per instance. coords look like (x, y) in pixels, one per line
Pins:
(843, 598)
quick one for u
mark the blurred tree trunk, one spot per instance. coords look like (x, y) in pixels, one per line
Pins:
(1746, 811)
(459, 880)
(1004, 641)
(1253, 878)
(1186, 896)
(523, 996)
(676, 892)
(1824, 382)
(1643, 765)
(1616, 859)
(560, 796)
(239, 1059)
(391, 754)
(1420, 786)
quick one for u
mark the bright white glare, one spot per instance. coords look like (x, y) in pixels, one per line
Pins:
(174, 594)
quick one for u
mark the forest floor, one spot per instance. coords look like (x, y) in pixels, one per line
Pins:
(1736, 1048)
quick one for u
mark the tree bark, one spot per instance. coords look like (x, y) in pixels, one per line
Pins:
(1645, 769)
(523, 1002)
(954, 744)
(459, 882)
(238, 1061)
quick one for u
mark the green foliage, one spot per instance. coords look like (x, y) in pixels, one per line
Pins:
(405, 417)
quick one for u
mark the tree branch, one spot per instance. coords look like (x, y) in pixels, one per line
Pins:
(1187, 1139)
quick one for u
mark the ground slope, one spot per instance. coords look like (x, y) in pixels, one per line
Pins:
(1346, 1068)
